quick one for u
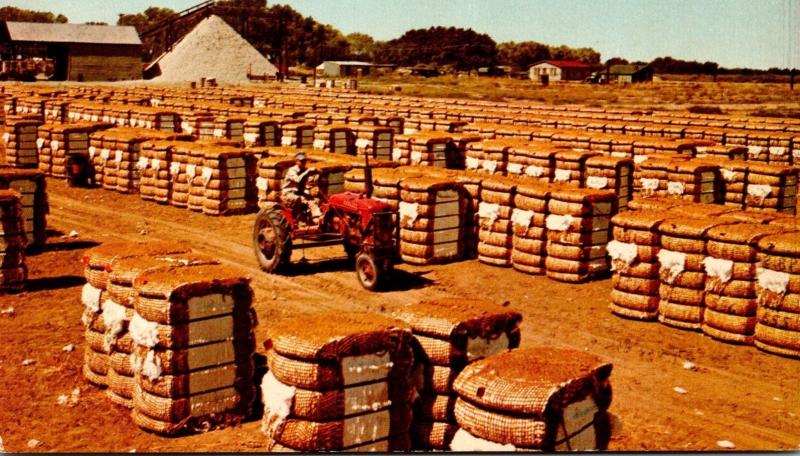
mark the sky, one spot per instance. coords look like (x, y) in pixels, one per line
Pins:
(734, 33)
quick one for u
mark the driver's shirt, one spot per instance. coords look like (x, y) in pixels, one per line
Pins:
(291, 181)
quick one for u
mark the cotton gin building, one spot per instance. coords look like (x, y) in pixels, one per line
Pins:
(81, 52)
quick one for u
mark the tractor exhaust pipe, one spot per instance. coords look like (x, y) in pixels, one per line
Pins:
(367, 176)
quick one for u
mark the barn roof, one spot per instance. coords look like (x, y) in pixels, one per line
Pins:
(626, 69)
(72, 33)
(564, 63)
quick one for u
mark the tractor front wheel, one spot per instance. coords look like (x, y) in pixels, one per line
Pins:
(371, 274)
(272, 240)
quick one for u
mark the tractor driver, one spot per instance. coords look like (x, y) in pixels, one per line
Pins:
(295, 183)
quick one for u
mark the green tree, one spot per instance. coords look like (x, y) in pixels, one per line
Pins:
(362, 46)
(462, 49)
(522, 55)
(10, 13)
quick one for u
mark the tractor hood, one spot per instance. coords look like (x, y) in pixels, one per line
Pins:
(355, 202)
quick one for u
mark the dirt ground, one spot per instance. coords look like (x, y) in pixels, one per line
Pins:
(735, 393)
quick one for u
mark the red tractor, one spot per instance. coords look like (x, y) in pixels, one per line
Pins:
(364, 226)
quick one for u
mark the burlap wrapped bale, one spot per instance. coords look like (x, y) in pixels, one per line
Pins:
(771, 187)
(228, 176)
(730, 298)
(694, 181)
(197, 367)
(634, 261)
(571, 166)
(682, 272)
(97, 259)
(13, 241)
(32, 188)
(344, 383)
(124, 271)
(431, 213)
(578, 228)
(457, 331)
(612, 173)
(529, 229)
(778, 293)
(538, 398)
(494, 215)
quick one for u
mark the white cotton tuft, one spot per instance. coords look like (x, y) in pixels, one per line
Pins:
(151, 366)
(639, 159)
(489, 211)
(114, 319)
(143, 332)
(774, 281)
(397, 154)
(621, 252)
(472, 163)
(534, 171)
(278, 399)
(728, 175)
(521, 218)
(408, 212)
(490, 166)
(514, 168)
(250, 138)
(754, 151)
(463, 441)
(649, 184)
(675, 188)
(759, 192)
(777, 150)
(596, 182)
(562, 175)
(262, 183)
(90, 297)
(559, 222)
(718, 268)
(672, 264)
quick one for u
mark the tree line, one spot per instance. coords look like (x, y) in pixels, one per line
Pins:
(290, 39)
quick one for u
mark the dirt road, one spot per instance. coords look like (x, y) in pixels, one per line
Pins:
(734, 393)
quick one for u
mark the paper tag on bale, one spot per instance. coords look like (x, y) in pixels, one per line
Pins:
(174, 168)
(261, 183)
(416, 157)
(92, 151)
(286, 141)
(754, 151)
(490, 166)
(472, 163)
(219, 133)
(191, 171)
(143, 162)
(54, 145)
(319, 144)
(105, 154)
(362, 143)
(639, 159)
(39, 143)
(759, 192)
(118, 156)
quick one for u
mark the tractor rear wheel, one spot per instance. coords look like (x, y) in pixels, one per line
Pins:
(272, 240)
(370, 273)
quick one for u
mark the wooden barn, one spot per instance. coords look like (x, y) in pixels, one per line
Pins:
(80, 52)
